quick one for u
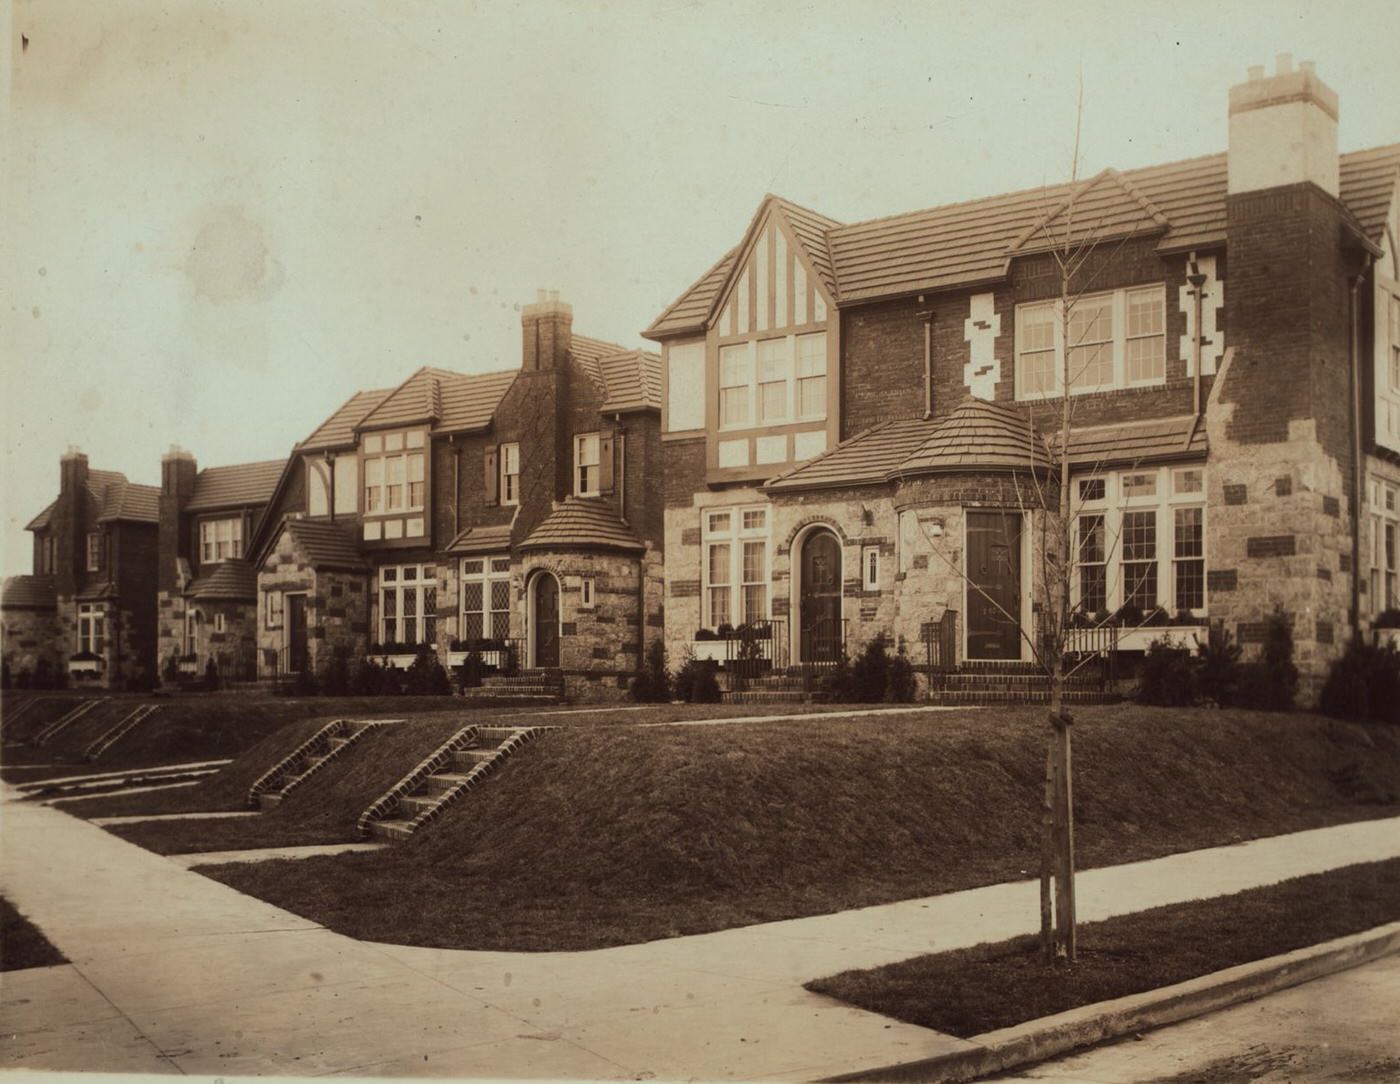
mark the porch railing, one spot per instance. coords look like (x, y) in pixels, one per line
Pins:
(1090, 652)
(756, 649)
(940, 640)
(824, 644)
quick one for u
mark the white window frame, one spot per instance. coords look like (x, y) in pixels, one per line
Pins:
(487, 570)
(1385, 524)
(394, 463)
(587, 593)
(94, 551)
(587, 471)
(509, 485)
(870, 568)
(1119, 339)
(742, 527)
(273, 609)
(92, 627)
(218, 622)
(787, 373)
(401, 582)
(220, 540)
(1169, 496)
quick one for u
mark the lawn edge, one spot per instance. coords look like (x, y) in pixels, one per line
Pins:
(1037, 1040)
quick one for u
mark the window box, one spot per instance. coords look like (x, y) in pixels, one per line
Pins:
(84, 662)
(1386, 637)
(727, 643)
(1190, 637)
(187, 665)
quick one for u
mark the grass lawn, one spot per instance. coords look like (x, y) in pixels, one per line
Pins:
(973, 991)
(600, 836)
(21, 944)
(323, 810)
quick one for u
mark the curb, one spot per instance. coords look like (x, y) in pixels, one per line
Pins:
(1037, 1040)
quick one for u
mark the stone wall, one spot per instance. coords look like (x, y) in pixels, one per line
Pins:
(337, 605)
(26, 636)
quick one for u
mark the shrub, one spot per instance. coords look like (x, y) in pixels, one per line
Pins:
(24, 679)
(1168, 676)
(697, 683)
(211, 675)
(335, 678)
(1387, 619)
(43, 675)
(900, 685)
(1363, 684)
(652, 684)
(1218, 673)
(840, 682)
(871, 671)
(469, 671)
(1271, 682)
(426, 677)
(367, 678)
(6, 681)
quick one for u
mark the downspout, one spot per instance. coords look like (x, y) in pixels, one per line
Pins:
(330, 483)
(620, 481)
(1197, 280)
(927, 315)
(1357, 482)
(456, 486)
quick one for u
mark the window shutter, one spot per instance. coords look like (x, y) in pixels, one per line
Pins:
(605, 461)
(493, 475)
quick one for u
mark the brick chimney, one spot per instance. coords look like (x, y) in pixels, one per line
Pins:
(547, 328)
(72, 471)
(177, 475)
(1283, 130)
(70, 520)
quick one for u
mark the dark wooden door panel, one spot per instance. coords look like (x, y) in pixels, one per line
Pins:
(994, 585)
(546, 621)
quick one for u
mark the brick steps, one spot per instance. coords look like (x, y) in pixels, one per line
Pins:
(526, 688)
(457, 766)
(1033, 696)
(127, 724)
(296, 768)
(62, 723)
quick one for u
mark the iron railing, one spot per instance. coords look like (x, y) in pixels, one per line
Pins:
(940, 640)
(823, 644)
(1089, 651)
(755, 649)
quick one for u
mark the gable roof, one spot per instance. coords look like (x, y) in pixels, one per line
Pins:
(236, 486)
(339, 429)
(326, 545)
(1106, 207)
(39, 522)
(123, 500)
(28, 593)
(583, 523)
(234, 579)
(971, 242)
(632, 380)
(451, 401)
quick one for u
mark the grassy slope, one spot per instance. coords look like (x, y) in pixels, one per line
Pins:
(21, 943)
(600, 836)
(981, 989)
(323, 810)
(50, 707)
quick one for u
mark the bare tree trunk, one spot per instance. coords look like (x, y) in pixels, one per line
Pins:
(1047, 857)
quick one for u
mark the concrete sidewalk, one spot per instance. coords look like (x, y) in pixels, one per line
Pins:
(171, 971)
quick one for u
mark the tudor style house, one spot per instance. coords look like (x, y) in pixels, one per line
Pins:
(206, 589)
(856, 416)
(88, 609)
(512, 513)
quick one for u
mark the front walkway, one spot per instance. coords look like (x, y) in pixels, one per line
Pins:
(171, 971)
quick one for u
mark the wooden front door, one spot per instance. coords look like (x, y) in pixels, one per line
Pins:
(296, 633)
(819, 607)
(994, 585)
(544, 622)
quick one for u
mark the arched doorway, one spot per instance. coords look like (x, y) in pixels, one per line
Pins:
(820, 633)
(544, 620)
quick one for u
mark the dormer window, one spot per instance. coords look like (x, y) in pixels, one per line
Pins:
(220, 540)
(1114, 340)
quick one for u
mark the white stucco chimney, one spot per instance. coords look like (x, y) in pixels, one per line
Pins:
(1283, 129)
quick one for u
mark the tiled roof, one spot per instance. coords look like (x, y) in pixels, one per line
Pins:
(978, 435)
(39, 522)
(811, 228)
(28, 593)
(240, 485)
(451, 401)
(866, 458)
(129, 501)
(583, 523)
(1138, 442)
(633, 382)
(227, 579)
(971, 242)
(339, 429)
(494, 539)
(588, 352)
(326, 545)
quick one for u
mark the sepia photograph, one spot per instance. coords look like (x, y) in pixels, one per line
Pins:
(695, 540)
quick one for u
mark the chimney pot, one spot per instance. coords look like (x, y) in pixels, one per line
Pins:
(1284, 62)
(541, 295)
(1308, 66)
(1256, 72)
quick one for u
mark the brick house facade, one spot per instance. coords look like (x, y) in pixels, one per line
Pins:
(88, 610)
(848, 409)
(507, 511)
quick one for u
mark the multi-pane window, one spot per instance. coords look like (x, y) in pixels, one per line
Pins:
(586, 476)
(773, 381)
(1393, 306)
(273, 607)
(92, 628)
(510, 473)
(1140, 540)
(407, 605)
(870, 568)
(94, 551)
(736, 565)
(1114, 340)
(394, 471)
(1382, 586)
(220, 540)
(485, 598)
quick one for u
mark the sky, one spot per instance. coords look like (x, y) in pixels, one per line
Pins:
(222, 219)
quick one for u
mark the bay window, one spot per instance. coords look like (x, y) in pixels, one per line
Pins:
(736, 565)
(407, 605)
(1115, 339)
(394, 471)
(220, 540)
(1140, 541)
(485, 598)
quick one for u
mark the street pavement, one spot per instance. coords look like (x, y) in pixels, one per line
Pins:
(173, 972)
